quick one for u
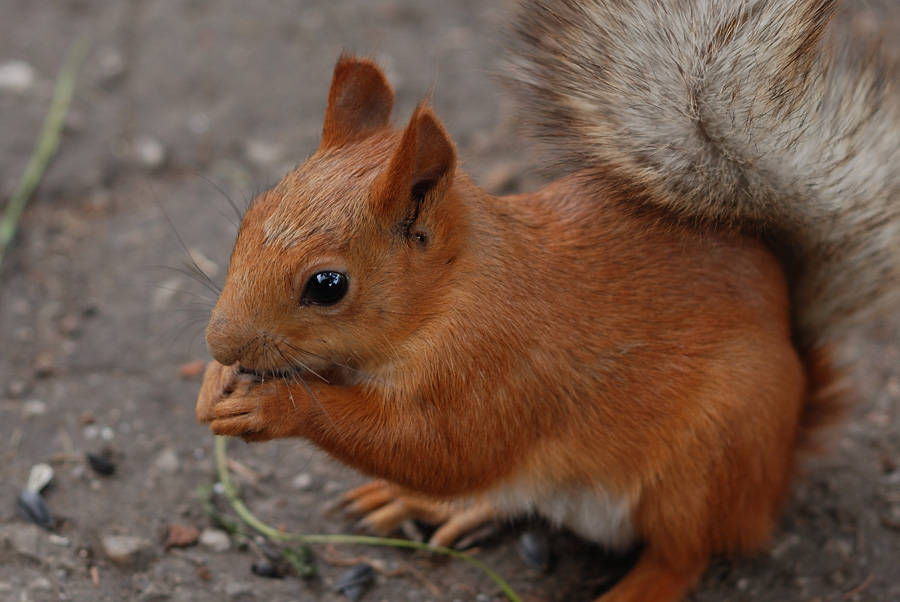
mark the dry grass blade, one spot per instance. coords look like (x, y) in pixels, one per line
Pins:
(46, 145)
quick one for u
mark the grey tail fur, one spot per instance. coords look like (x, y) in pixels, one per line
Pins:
(740, 113)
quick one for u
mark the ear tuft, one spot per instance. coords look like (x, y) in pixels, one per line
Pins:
(360, 101)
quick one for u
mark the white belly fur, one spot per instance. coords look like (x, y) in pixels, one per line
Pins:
(592, 514)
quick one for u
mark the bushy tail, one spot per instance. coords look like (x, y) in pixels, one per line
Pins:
(734, 112)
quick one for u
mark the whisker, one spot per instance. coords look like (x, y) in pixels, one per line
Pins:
(220, 190)
(190, 263)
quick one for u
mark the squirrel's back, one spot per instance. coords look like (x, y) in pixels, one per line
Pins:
(745, 114)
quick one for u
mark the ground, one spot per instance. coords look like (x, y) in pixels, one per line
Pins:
(181, 105)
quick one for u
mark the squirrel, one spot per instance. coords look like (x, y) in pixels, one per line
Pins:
(640, 350)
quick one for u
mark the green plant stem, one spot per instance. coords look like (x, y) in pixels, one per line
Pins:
(238, 505)
(47, 143)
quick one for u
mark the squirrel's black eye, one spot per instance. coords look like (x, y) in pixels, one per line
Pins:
(325, 288)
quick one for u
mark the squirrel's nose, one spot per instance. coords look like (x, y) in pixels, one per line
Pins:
(222, 341)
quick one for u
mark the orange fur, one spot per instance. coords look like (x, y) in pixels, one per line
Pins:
(550, 341)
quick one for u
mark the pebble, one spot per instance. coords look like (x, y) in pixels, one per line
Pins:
(17, 76)
(32, 542)
(16, 388)
(24, 539)
(204, 263)
(33, 408)
(215, 539)
(152, 594)
(40, 584)
(167, 461)
(111, 62)
(149, 152)
(263, 154)
(302, 481)
(838, 547)
(240, 591)
(44, 365)
(125, 549)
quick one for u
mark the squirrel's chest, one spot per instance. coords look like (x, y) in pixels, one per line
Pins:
(591, 513)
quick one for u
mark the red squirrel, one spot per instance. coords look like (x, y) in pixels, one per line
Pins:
(637, 351)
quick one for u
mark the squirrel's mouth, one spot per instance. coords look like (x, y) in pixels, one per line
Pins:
(258, 375)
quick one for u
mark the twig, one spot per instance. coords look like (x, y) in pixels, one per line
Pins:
(47, 143)
(859, 588)
(272, 533)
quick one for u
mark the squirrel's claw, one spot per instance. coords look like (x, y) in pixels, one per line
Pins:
(384, 508)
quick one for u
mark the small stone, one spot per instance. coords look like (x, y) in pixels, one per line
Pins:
(151, 594)
(167, 461)
(17, 76)
(16, 388)
(24, 539)
(215, 539)
(263, 154)
(111, 62)
(107, 433)
(240, 591)
(126, 549)
(838, 547)
(265, 568)
(44, 365)
(783, 547)
(59, 540)
(33, 408)
(302, 481)
(70, 324)
(181, 536)
(203, 263)
(40, 584)
(149, 152)
(191, 369)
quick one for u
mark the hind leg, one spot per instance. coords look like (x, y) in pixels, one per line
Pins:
(654, 580)
(384, 508)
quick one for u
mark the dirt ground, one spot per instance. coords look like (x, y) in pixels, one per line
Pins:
(182, 103)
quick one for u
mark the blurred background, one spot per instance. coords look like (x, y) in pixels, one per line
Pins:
(182, 105)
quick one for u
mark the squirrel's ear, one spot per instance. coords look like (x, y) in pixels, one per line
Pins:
(424, 162)
(359, 102)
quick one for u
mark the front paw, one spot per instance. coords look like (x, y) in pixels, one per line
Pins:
(237, 405)
(219, 382)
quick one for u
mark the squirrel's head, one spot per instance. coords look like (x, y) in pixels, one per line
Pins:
(352, 251)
